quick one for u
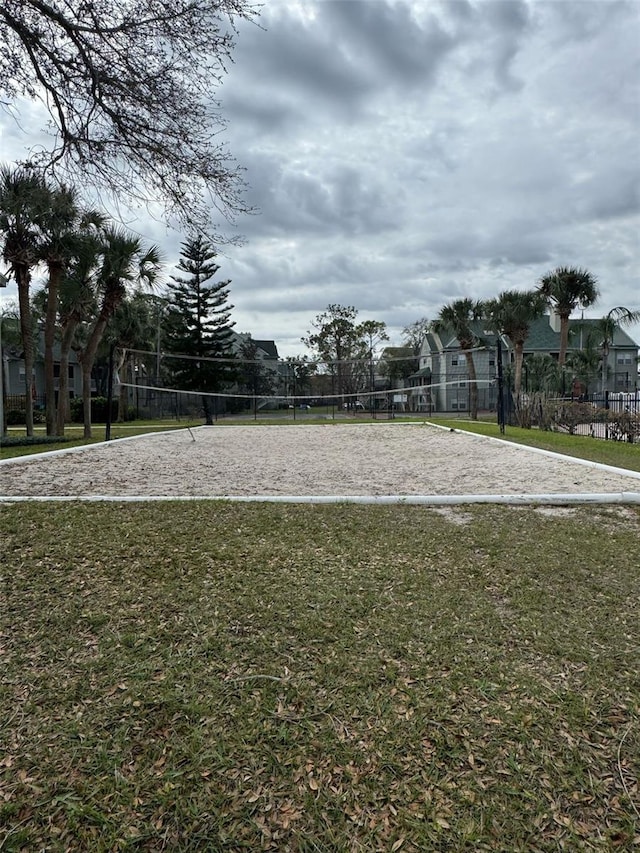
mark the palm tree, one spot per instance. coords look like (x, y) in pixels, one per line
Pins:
(24, 201)
(511, 314)
(544, 373)
(78, 303)
(123, 263)
(565, 289)
(584, 362)
(605, 329)
(457, 317)
(62, 240)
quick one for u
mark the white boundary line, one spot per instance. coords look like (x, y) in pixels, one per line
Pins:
(408, 500)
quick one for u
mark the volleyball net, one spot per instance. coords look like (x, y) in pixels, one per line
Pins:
(164, 384)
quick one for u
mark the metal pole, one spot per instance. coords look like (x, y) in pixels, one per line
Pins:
(1, 384)
(371, 383)
(500, 385)
(107, 429)
(158, 345)
(3, 283)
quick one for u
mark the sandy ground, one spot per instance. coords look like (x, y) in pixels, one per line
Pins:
(332, 459)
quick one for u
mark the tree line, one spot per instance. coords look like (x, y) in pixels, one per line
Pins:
(93, 296)
(346, 346)
(512, 313)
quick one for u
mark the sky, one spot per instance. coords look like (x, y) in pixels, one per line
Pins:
(400, 155)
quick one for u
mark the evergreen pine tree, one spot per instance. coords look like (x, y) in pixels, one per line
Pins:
(200, 325)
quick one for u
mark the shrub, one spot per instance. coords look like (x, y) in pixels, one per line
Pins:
(624, 426)
(18, 417)
(569, 415)
(26, 440)
(98, 410)
(15, 417)
(529, 410)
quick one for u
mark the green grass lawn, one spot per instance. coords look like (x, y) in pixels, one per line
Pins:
(225, 677)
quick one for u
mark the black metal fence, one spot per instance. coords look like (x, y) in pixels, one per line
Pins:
(609, 416)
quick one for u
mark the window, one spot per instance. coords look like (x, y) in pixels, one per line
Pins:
(454, 360)
(462, 385)
(454, 405)
(492, 361)
(56, 371)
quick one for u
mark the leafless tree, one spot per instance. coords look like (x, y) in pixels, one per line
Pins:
(129, 86)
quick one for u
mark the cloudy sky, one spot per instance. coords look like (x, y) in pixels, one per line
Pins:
(404, 154)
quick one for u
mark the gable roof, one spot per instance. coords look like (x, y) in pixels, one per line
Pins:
(450, 342)
(620, 337)
(542, 336)
(397, 352)
(423, 373)
(269, 347)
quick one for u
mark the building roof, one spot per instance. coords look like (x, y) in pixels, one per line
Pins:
(269, 347)
(450, 342)
(620, 337)
(542, 337)
(424, 372)
(398, 352)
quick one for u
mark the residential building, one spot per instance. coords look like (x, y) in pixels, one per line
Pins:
(441, 382)
(14, 375)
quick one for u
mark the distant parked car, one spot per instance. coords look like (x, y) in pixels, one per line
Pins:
(355, 404)
(304, 406)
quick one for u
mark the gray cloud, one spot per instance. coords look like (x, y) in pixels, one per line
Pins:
(402, 154)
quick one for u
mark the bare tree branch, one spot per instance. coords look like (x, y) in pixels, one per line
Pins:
(130, 90)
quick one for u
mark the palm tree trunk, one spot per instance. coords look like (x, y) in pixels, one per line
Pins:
(23, 278)
(517, 378)
(55, 274)
(473, 386)
(88, 358)
(564, 338)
